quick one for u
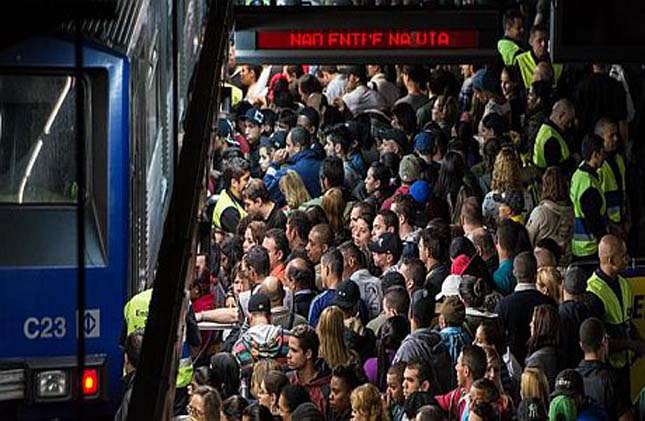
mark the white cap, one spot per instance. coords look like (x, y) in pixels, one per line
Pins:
(449, 287)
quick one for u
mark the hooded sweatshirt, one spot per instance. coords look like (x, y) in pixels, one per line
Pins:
(426, 345)
(318, 387)
(261, 342)
(601, 384)
(553, 220)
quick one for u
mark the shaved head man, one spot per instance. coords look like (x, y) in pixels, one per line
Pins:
(610, 297)
(281, 315)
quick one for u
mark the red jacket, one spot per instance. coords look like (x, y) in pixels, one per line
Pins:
(318, 388)
(453, 403)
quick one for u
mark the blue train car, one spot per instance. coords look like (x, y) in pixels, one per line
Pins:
(134, 90)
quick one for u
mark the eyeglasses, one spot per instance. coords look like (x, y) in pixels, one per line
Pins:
(195, 412)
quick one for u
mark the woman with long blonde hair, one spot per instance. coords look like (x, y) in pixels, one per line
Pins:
(334, 206)
(367, 405)
(534, 384)
(549, 282)
(294, 191)
(506, 177)
(330, 332)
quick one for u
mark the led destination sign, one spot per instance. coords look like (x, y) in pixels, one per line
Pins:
(389, 39)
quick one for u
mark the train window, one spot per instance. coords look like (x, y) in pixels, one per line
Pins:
(38, 139)
(38, 184)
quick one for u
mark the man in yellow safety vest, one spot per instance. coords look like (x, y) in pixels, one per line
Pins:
(612, 176)
(229, 209)
(510, 45)
(589, 209)
(528, 61)
(610, 298)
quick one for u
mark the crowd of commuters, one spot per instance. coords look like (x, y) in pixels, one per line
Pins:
(414, 242)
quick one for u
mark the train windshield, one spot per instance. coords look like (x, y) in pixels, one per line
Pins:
(38, 139)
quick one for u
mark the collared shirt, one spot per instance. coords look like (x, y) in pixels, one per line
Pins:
(524, 286)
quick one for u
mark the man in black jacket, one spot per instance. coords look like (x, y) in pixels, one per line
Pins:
(599, 377)
(573, 311)
(132, 351)
(516, 310)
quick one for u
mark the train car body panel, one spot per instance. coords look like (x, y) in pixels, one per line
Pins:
(38, 318)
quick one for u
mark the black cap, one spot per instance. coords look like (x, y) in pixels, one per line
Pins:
(396, 135)
(279, 139)
(259, 303)
(347, 294)
(575, 280)
(255, 115)
(387, 243)
(569, 383)
(423, 304)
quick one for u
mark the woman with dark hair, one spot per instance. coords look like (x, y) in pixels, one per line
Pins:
(454, 186)
(254, 235)
(377, 184)
(270, 389)
(473, 292)
(232, 408)
(404, 118)
(256, 412)
(553, 217)
(391, 334)
(391, 162)
(484, 170)
(316, 215)
(225, 374)
(511, 91)
(544, 340)
(230, 253)
(361, 220)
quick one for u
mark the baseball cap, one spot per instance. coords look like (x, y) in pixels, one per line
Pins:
(255, 115)
(449, 287)
(389, 133)
(259, 303)
(568, 383)
(424, 142)
(485, 80)
(422, 303)
(575, 280)
(279, 139)
(386, 243)
(514, 199)
(420, 191)
(224, 127)
(563, 408)
(410, 169)
(347, 294)
(531, 409)
(460, 264)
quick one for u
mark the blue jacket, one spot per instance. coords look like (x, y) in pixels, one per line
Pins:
(306, 163)
(455, 338)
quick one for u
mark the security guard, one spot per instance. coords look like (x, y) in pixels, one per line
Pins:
(527, 61)
(509, 46)
(610, 298)
(612, 174)
(229, 209)
(550, 148)
(136, 315)
(589, 209)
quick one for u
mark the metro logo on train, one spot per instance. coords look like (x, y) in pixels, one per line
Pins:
(367, 39)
